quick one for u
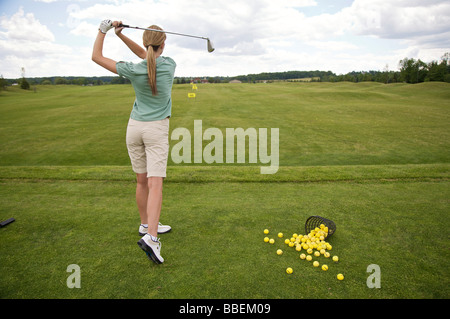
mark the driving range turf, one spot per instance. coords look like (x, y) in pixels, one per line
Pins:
(373, 158)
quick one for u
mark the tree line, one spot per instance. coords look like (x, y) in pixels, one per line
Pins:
(409, 71)
(67, 80)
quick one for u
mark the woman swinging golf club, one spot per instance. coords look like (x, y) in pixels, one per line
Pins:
(148, 127)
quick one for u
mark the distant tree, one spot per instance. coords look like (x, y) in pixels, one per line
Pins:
(2, 83)
(436, 71)
(446, 58)
(24, 84)
(81, 81)
(118, 80)
(413, 71)
(440, 71)
(406, 67)
(59, 81)
(385, 77)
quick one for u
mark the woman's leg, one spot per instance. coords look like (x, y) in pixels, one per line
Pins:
(154, 202)
(150, 243)
(142, 196)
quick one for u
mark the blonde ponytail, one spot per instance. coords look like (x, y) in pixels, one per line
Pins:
(151, 69)
(152, 41)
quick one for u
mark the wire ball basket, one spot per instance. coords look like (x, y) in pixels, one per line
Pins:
(315, 222)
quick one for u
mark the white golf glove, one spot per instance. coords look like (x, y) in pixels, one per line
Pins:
(105, 26)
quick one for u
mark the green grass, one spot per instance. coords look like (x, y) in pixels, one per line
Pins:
(373, 158)
(216, 248)
(320, 123)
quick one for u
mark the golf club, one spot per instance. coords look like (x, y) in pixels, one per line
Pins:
(210, 45)
(6, 222)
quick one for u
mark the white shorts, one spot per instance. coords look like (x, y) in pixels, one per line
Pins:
(148, 146)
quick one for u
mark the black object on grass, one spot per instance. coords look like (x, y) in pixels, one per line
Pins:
(6, 222)
(315, 221)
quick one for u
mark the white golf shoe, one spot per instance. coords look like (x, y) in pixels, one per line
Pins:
(152, 248)
(162, 229)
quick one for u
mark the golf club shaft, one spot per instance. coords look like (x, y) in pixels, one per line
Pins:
(147, 29)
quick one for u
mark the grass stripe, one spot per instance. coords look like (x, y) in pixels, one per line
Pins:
(220, 174)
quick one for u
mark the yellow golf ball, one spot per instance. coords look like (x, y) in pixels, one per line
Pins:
(316, 253)
(308, 258)
(302, 256)
(289, 270)
(287, 241)
(271, 241)
(279, 252)
(324, 267)
(309, 251)
(266, 239)
(316, 264)
(266, 231)
(340, 277)
(335, 258)
(280, 235)
(326, 254)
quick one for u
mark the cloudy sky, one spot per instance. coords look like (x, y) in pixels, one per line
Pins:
(55, 37)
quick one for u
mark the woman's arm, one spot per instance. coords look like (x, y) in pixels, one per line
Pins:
(97, 53)
(133, 46)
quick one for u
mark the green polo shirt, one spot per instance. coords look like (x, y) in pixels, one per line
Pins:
(148, 107)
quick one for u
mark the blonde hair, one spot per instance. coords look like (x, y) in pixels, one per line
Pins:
(152, 41)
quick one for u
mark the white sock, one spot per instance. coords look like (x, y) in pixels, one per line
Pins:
(149, 237)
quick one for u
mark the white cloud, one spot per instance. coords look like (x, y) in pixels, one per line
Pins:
(333, 45)
(399, 19)
(235, 21)
(25, 27)
(85, 29)
(28, 43)
(421, 27)
(227, 22)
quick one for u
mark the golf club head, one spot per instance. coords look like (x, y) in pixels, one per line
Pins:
(210, 46)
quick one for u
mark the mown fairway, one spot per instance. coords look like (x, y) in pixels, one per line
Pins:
(373, 158)
(320, 123)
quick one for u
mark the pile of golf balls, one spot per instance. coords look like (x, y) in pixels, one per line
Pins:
(310, 246)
